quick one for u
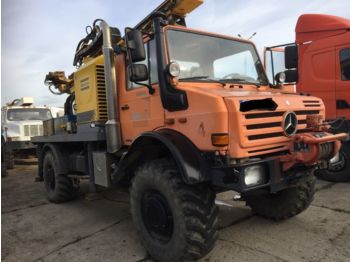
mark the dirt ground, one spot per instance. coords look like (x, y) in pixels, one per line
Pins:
(101, 230)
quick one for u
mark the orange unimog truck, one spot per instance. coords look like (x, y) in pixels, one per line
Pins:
(319, 64)
(179, 115)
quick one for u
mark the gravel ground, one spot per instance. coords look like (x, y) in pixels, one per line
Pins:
(101, 230)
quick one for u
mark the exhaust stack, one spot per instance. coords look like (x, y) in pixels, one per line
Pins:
(113, 137)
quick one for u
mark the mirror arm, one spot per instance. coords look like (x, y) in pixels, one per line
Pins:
(272, 67)
(151, 90)
(277, 86)
(117, 49)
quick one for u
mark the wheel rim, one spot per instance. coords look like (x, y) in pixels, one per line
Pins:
(340, 165)
(157, 216)
(51, 178)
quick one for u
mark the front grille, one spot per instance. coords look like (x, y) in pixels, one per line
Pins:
(101, 93)
(33, 130)
(266, 149)
(270, 125)
(312, 103)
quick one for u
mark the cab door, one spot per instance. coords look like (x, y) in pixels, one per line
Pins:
(343, 80)
(139, 110)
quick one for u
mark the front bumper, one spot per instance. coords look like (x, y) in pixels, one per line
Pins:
(233, 177)
(19, 145)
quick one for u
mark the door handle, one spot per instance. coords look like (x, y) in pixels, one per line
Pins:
(125, 107)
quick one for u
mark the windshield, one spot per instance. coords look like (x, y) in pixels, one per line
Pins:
(23, 114)
(204, 57)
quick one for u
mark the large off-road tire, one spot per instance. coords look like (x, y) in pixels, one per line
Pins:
(59, 187)
(340, 171)
(286, 203)
(9, 158)
(177, 222)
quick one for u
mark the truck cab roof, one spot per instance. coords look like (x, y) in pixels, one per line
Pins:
(311, 27)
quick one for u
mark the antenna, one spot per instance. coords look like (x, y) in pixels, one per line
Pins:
(252, 36)
(240, 36)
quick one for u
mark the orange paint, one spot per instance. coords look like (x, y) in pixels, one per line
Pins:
(214, 109)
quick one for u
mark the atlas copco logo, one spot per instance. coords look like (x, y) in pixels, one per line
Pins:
(289, 123)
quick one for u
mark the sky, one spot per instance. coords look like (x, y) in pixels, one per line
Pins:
(38, 36)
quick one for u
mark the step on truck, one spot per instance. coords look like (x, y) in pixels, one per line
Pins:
(318, 63)
(179, 115)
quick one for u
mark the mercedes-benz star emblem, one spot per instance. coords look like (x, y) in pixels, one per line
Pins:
(290, 123)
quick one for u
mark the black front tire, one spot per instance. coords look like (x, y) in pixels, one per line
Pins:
(59, 187)
(339, 172)
(177, 222)
(286, 203)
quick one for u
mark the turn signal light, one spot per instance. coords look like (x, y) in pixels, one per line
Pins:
(219, 139)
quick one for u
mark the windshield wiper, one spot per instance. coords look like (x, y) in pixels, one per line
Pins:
(203, 78)
(240, 80)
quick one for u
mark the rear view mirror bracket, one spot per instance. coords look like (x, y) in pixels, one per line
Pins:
(150, 88)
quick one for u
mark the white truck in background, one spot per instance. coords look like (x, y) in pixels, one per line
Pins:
(21, 120)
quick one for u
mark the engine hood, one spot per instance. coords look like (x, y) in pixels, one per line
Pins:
(254, 129)
(232, 90)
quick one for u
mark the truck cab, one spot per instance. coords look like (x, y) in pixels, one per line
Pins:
(323, 59)
(318, 64)
(324, 65)
(20, 121)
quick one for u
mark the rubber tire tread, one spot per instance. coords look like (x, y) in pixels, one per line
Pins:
(193, 208)
(286, 203)
(64, 189)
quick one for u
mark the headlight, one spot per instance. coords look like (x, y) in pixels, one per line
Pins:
(254, 175)
(174, 69)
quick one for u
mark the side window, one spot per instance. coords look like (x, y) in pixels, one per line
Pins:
(132, 85)
(152, 62)
(274, 64)
(345, 64)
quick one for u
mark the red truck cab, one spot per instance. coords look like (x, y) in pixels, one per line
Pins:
(324, 61)
(318, 64)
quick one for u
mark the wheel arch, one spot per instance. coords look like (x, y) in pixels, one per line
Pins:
(159, 144)
(57, 151)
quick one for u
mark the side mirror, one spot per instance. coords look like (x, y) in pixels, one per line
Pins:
(137, 72)
(135, 45)
(288, 76)
(291, 75)
(291, 57)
